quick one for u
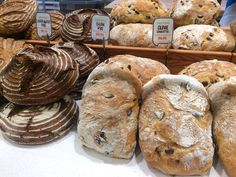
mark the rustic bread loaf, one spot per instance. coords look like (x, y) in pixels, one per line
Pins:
(33, 125)
(233, 27)
(209, 72)
(143, 68)
(223, 104)
(16, 15)
(186, 12)
(203, 37)
(77, 25)
(138, 11)
(175, 126)
(109, 111)
(39, 75)
(135, 35)
(56, 23)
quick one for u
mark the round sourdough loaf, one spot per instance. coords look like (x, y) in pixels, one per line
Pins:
(186, 12)
(31, 125)
(203, 37)
(16, 15)
(223, 104)
(39, 75)
(109, 111)
(175, 126)
(138, 11)
(56, 22)
(209, 72)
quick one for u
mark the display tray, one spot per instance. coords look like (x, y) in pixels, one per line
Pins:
(67, 158)
(174, 59)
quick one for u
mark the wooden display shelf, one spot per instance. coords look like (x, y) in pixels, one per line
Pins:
(174, 59)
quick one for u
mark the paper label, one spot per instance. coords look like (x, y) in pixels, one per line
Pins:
(163, 31)
(44, 26)
(100, 27)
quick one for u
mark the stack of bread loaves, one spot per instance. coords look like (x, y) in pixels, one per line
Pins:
(35, 82)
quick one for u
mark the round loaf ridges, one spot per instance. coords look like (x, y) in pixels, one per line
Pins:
(56, 22)
(138, 11)
(109, 111)
(39, 76)
(186, 12)
(8, 48)
(77, 25)
(203, 37)
(223, 104)
(143, 68)
(32, 125)
(16, 15)
(175, 126)
(209, 72)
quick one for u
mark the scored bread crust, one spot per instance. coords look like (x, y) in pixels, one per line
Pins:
(175, 126)
(223, 101)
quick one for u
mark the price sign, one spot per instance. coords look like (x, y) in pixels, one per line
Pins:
(44, 26)
(163, 31)
(100, 27)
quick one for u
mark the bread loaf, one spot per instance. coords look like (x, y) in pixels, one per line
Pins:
(209, 72)
(233, 27)
(135, 35)
(143, 68)
(16, 15)
(77, 25)
(109, 111)
(138, 11)
(203, 37)
(33, 125)
(39, 75)
(56, 22)
(175, 126)
(223, 104)
(186, 12)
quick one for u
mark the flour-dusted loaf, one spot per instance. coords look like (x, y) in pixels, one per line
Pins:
(185, 12)
(135, 35)
(8, 48)
(39, 75)
(77, 25)
(56, 22)
(143, 68)
(223, 104)
(33, 125)
(175, 126)
(109, 111)
(138, 11)
(209, 72)
(203, 37)
(16, 15)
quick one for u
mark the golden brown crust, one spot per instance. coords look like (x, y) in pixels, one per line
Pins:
(233, 27)
(209, 72)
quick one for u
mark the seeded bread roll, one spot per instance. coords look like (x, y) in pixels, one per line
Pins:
(209, 72)
(56, 22)
(138, 11)
(223, 104)
(135, 35)
(143, 68)
(109, 111)
(39, 76)
(175, 126)
(203, 37)
(31, 125)
(16, 15)
(186, 12)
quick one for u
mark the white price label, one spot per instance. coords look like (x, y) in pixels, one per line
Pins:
(44, 26)
(163, 31)
(100, 27)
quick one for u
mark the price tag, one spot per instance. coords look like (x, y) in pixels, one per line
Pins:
(163, 31)
(100, 27)
(44, 26)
